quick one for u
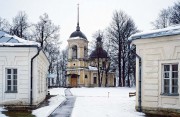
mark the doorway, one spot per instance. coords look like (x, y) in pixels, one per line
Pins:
(74, 80)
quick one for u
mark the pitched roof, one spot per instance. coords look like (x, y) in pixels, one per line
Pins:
(13, 40)
(173, 30)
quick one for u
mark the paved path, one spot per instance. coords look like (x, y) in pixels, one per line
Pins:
(66, 107)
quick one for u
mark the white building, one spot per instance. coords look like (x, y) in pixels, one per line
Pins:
(23, 72)
(157, 71)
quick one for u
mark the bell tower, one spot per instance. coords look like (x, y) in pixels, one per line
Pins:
(77, 56)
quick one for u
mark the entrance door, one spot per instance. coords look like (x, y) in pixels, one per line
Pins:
(74, 80)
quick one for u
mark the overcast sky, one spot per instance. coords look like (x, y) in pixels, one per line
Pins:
(94, 14)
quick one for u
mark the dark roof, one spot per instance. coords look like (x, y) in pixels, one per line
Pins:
(99, 52)
(99, 38)
(78, 33)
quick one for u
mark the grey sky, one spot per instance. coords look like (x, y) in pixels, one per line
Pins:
(94, 14)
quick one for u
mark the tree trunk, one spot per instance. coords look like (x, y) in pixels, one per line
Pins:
(106, 82)
(123, 72)
(99, 81)
(119, 65)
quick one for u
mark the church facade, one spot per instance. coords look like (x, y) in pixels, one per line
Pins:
(82, 71)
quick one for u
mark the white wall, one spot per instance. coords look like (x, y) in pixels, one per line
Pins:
(20, 58)
(154, 52)
(41, 65)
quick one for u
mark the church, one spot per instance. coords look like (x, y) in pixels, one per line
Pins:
(84, 70)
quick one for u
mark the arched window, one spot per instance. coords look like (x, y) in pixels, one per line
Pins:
(74, 52)
(85, 52)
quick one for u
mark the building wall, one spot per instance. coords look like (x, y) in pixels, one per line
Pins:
(88, 82)
(154, 52)
(40, 78)
(20, 58)
(16, 58)
(80, 43)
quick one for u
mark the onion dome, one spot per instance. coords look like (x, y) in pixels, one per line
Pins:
(99, 52)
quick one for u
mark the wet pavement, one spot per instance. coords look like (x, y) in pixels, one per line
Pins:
(66, 107)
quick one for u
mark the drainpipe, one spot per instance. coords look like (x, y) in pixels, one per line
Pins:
(31, 88)
(139, 88)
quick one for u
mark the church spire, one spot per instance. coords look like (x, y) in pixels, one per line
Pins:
(77, 28)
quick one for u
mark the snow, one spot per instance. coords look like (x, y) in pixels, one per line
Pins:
(1, 109)
(13, 40)
(94, 102)
(57, 91)
(172, 30)
(76, 38)
(92, 68)
(52, 75)
(54, 102)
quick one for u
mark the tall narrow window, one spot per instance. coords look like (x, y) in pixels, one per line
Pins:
(85, 52)
(11, 80)
(95, 80)
(74, 52)
(170, 79)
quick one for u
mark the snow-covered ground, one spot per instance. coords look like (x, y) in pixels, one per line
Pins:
(2, 115)
(94, 102)
(54, 102)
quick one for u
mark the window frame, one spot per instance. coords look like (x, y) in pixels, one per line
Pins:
(170, 79)
(74, 52)
(12, 79)
(94, 80)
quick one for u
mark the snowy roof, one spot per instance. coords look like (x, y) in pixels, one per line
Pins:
(13, 40)
(92, 68)
(173, 30)
(52, 75)
(75, 38)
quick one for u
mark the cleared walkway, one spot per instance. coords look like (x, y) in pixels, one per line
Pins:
(65, 109)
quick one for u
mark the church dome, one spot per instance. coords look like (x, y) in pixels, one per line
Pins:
(78, 33)
(99, 51)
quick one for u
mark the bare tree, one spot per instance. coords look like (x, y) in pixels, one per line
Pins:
(168, 17)
(175, 17)
(121, 27)
(131, 66)
(20, 25)
(45, 31)
(63, 62)
(61, 68)
(4, 25)
(163, 19)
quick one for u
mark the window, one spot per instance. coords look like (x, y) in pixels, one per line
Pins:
(86, 76)
(170, 79)
(11, 80)
(95, 80)
(74, 52)
(85, 52)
